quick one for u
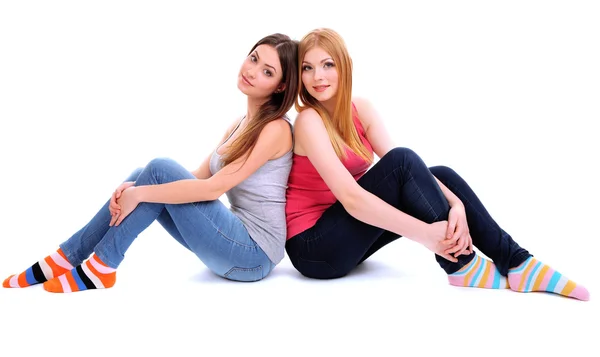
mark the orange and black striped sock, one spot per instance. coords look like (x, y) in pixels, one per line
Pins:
(92, 274)
(52, 266)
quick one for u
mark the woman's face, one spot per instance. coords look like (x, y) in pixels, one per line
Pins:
(319, 75)
(261, 73)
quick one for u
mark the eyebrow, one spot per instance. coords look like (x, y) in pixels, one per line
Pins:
(323, 60)
(266, 64)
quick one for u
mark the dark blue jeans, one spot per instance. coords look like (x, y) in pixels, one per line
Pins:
(338, 242)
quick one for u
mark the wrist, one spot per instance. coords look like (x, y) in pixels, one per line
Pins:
(455, 203)
(421, 233)
(139, 193)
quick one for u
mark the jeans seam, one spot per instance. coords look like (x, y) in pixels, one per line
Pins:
(223, 233)
(69, 254)
(456, 189)
(319, 261)
(431, 209)
(256, 269)
(383, 179)
(236, 268)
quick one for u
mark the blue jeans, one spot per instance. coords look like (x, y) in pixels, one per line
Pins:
(208, 229)
(338, 242)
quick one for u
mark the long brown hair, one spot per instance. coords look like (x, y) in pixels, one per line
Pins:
(278, 104)
(341, 129)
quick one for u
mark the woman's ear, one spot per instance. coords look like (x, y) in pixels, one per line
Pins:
(280, 88)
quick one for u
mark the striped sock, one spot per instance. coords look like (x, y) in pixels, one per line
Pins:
(92, 274)
(533, 275)
(53, 265)
(479, 273)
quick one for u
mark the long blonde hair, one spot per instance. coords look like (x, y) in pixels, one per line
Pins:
(341, 129)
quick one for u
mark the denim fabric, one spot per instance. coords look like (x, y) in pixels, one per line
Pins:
(338, 242)
(208, 229)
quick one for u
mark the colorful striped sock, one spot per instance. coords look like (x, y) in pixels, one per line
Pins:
(533, 275)
(53, 265)
(479, 273)
(92, 274)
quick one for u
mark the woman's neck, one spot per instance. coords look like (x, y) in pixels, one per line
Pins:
(254, 105)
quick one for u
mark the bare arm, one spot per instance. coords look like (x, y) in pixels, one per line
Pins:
(311, 138)
(273, 139)
(381, 141)
(375, 130)
(203, 171)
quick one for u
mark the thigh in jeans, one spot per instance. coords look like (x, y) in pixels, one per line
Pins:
(220, 239)
(167, 223)
(334, 246)
(400, 179)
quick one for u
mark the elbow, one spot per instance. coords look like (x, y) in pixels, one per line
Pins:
(214, 194)
(211, 190)
(352, 201)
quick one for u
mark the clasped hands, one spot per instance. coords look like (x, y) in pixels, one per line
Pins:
(122, 202)
(450, 238)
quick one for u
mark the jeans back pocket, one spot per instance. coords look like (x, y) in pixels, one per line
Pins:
(245, 274)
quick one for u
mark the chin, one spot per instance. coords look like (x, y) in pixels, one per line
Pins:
(242, 87)
(322, 97)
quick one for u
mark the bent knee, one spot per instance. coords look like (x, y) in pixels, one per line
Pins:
(135, 174)
(160, 162)
(402, 156)
(443, 173)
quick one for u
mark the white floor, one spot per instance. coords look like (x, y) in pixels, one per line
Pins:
(505, 93)
(397, 303)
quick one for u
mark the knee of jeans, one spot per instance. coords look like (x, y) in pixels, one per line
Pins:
(159, 162)
(402, 156)
(134, 175)
(443, 173)
(247, 274)
(157, 166)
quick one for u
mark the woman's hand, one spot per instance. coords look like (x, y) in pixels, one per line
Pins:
(113, 207)
(457, 232)
(436, 240)
(127, 202)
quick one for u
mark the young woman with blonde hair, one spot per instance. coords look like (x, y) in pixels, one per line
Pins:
(340, 210)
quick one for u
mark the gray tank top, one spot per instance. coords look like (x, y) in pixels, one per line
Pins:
(259, 201)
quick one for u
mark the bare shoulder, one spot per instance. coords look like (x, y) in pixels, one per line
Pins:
(307, 118)
(361, 103)
(366, 111)
(277, 127)
(277, 136)
(309, 130)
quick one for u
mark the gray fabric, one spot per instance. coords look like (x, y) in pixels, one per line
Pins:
(259, 202)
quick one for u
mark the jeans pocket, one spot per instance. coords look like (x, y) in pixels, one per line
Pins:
(316, 269)
(245, 274)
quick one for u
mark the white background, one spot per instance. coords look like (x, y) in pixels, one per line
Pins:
(507, 93)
